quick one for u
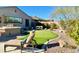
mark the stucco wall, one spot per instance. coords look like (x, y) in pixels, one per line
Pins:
(14, 11)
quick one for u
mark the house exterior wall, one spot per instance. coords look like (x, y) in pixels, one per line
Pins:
(14, 12)
(24, 17)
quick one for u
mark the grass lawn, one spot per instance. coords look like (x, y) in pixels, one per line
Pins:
(41, 36)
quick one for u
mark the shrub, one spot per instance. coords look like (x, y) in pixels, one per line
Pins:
(54, 26)
(47, 26)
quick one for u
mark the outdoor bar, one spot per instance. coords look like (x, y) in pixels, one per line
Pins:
(9, 31)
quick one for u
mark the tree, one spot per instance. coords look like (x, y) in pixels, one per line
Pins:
(69, 20)
(54, 26)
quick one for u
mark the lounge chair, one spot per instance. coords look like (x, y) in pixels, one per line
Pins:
(18, 43)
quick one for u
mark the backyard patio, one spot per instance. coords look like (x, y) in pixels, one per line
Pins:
(41, 36)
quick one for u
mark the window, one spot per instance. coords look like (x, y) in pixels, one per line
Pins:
(27, 22)
(10, 19)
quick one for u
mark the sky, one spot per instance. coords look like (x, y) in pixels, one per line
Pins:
(43, 12)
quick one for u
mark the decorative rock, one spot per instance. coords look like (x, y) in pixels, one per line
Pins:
(61, 43)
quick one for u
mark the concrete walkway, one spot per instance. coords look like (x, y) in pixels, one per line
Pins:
(9, 48)
(14, 50)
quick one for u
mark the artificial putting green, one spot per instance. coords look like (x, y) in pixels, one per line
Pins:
(41, 36)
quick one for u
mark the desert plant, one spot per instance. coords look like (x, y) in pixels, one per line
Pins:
(54, 26)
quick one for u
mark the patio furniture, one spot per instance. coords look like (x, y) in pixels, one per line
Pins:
(20, 43)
